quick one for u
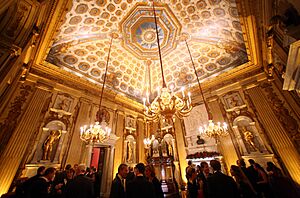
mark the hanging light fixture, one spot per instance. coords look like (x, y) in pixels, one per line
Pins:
(167, 104)
(211, 129)
(99, 132)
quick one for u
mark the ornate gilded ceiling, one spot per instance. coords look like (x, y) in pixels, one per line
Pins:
(212, 28)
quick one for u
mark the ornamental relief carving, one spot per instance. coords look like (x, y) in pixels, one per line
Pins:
(8, 125)
(289, 123)
(18, 21)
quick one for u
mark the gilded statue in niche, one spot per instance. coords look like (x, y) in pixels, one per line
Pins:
(129, 151)
(49, 142)
(170, 149)
(249, 138)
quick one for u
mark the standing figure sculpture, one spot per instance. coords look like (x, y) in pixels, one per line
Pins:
(249, 138)
(48, 144)
(129, 152)
(170, 148)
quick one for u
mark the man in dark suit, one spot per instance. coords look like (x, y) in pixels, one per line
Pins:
(220, 185)
(24, 188)
(81, 186)
(118, 186)
(130, 175)
(203, 175)
(140, 187)
(42, 185)
(252, 174)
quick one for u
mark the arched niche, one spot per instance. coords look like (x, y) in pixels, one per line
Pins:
(47, 131)
(170, 142)
(130, 149)
(248, 136)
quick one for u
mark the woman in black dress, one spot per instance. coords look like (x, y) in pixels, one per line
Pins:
(192, 185)
(150, 174)
(245, 188)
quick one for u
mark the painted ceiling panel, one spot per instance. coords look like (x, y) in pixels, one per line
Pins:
(212, 29)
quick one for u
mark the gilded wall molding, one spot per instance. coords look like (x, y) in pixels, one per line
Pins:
(9, 123)
(289, 123)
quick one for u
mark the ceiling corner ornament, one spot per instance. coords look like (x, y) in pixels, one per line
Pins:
(211, 129)
(100, 131)
(166, 104)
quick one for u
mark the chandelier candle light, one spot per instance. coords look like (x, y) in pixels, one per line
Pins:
(99, 132)
(211, 129)
(167, 104)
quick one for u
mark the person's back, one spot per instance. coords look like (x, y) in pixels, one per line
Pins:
(40, 187)
(24, 188)
(219, 184)
(140, 187)
(81, 186)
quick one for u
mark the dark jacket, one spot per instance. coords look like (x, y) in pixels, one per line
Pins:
(140, 187)
(220, 186)
(39, 188)
(202, 177)
(117, 189)
(80, 187)
(192, 189)
(157, 188)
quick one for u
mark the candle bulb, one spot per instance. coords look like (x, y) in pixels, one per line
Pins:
(172, 88)
(182, 91)
(147, 94)
(144, 101)
(189, 94)
(158, 91)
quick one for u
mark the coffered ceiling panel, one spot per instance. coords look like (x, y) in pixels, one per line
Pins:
(211, 27)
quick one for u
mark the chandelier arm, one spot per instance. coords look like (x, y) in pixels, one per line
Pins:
(106, 68)
(200, 88)
(158, 44)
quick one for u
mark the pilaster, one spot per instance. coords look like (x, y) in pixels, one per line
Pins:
(277, 134)
(16, 147)
(140, 140)
(76, 143)
(226, 146)
(119, 144)
(179, 132)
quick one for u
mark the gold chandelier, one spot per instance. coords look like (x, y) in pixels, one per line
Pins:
(167, 104)
(99, 132)
(214, 130)
(211, 129)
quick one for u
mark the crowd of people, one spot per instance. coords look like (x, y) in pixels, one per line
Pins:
(135, 183)
(73, 182)
(204, 181)
(246, 182)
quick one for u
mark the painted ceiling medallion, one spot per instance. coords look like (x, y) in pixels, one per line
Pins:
(138, 29)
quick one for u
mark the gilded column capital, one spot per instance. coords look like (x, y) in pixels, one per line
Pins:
(85, 100)
(15, 51)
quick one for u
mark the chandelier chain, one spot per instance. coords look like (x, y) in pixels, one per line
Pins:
(199, 85)
(105, 73)
(159, 51)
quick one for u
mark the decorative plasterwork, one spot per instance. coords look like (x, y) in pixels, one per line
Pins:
(138, 30)
(211, 26)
